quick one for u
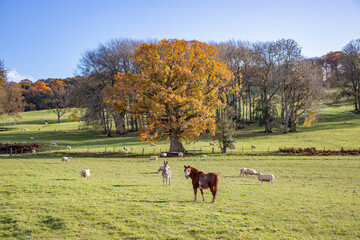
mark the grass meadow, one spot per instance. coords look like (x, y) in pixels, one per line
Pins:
(313, 197)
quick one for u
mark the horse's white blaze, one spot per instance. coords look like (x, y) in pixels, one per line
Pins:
(187, 173)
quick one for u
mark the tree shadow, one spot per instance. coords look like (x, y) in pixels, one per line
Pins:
(64, 179)
(124, 185)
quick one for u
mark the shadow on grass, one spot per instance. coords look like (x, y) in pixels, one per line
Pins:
(151, 201)
(129, 185)
(149, 173)
(64, 179)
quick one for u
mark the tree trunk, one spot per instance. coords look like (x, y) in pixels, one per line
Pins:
(176, 145)
(223, 149)
(119, 119)
(58, 118)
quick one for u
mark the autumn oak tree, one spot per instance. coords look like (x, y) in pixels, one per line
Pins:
(177, 89)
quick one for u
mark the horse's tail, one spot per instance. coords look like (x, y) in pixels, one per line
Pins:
(217, 180)
(215, 187)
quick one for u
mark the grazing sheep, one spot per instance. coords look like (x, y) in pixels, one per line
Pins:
(243, 171)
(126, 149)
(203, 155)
(253, 147)
(163, 154)
(33, 151)
(153, 158)
(24, 129)
(161, 168)
(68, 148)
(265, 177)
(54, 143)
(212, 144)
(32, 138)
(180, 154)
(66, 159)
(166, 174)
(85, 173)
(39, 129)
(152, 144)
(250, 172)
(54, 130)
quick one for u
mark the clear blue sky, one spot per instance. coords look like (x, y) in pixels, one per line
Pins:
(45, 38)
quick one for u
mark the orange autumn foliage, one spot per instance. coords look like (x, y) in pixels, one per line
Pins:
(178, 89)
(39, 86)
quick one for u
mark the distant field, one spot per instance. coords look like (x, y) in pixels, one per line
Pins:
(334, 129)
(311, 198)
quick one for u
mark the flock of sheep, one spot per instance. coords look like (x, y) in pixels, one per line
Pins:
(165, 169)
(262, 177)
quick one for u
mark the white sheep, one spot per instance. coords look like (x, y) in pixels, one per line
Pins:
(212, 144)
(203, 155)
(253, 147)
(126, 149)
(32, 138)
(265, 177)
(85, 173)
(33, 151)
(54, 143)
(66, 159)
(24, 129)
(163, 154)
(68, 148)
(181, 154)
(153, 158)
(250, 171)
(152, 144)
(243, 171)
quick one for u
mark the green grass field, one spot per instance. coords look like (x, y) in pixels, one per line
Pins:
(311, 198)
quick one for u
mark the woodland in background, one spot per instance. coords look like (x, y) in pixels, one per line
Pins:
(271, 84)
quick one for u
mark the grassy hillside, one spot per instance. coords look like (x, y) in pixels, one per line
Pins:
(334, 129)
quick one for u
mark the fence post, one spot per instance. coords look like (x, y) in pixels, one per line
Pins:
(105, 149)
(10, 152)
(143, 151)
(213, 150)
(154, 151)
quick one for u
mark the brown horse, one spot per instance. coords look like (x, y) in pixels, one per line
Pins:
(202, 181)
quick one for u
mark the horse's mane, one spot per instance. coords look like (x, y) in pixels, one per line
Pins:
(199, 171)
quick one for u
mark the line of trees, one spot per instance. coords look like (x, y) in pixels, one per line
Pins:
(124, 86)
